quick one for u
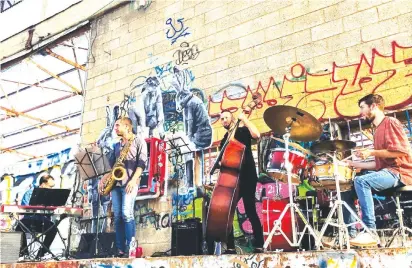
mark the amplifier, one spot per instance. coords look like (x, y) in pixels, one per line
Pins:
(106, 246)
(187, 237)
(10, 246)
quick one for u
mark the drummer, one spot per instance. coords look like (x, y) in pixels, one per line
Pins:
(393, 165)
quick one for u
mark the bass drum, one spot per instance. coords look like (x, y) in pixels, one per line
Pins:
(271, 210)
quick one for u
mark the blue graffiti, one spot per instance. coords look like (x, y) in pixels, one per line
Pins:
(161, 69)
(176, 34)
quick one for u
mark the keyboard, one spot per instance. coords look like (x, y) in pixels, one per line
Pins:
(42, 210)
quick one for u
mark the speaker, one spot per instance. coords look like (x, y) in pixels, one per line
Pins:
(187, 237)
(106, 246)
(10, 246)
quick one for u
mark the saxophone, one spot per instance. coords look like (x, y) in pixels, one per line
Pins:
(118, 173)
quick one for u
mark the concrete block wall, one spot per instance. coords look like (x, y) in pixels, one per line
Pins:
(249, 42)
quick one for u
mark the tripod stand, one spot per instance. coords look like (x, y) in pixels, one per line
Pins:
(92, 165)
(338, 207)
(292, 206)
(178, 147)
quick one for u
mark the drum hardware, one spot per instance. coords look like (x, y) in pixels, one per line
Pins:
(301, 126)
(337, 146)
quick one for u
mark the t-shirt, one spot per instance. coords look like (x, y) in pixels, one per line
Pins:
(390, 135)
(248, 169)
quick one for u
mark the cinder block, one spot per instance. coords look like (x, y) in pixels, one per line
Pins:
(216, 13)
(252, 40)
(344, 40)
(102, 79)
(227, 76)
(114, 24)
(394, 9)
(327, 29)
(279, 30)
(340, 10)
(89, 116)
(360, 19)
(325, 61)
(226, 48)
(119, 73)
(267, 49)
(253, 67)
(281, 59)
(308, 21)
(240, 57)
(154, 38)
(135, 46)
(312, 50)
(296, 39)
(126, 60)
(379, 30)
(118, 52)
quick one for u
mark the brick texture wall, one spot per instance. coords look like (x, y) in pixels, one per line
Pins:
(252, 42)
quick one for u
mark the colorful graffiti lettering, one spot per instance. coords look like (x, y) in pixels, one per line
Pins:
(332, 94)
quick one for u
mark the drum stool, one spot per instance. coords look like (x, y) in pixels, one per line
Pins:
(402, 229)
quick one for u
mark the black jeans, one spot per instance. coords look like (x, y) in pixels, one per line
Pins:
(38, 226)
(247, 191)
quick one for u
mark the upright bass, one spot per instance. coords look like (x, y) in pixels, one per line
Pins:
(219, 222)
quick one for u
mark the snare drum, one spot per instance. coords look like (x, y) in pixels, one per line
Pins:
(276, 166)
(322, 177)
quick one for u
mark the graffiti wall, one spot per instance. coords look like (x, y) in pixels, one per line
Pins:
(329, 94)
(172, 68)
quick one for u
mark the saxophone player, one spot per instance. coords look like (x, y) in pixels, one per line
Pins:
(125, 190)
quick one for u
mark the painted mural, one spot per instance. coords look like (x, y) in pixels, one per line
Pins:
(329, 94)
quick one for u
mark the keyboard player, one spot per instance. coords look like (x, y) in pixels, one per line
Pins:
(37, 223)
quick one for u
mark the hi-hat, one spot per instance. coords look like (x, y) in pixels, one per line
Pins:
(332, 146)
(304, 126)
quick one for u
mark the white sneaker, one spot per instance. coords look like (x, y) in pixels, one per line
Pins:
(364, 239)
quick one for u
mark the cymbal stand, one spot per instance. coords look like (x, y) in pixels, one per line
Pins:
(277, 228)
(338, 206)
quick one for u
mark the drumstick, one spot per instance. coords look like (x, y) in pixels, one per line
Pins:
(294, 145)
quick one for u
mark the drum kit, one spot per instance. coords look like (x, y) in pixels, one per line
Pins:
(286, 165)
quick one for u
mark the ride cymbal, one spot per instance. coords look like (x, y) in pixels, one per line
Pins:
(304, 126)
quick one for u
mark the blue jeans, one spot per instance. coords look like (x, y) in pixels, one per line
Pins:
(123, 210)
(364, 185)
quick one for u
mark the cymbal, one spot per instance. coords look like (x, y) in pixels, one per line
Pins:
(304, 126)
(294, 145)
(332, 146)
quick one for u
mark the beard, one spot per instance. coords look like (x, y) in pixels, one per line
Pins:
(367, 119)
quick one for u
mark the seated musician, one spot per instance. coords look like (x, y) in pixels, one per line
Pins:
(37, 223)
(248, 177)
(393, 165)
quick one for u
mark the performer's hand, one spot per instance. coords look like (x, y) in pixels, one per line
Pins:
(242, 117)
(131, 186)
(347, 162)
(101, 184)
(363, 154)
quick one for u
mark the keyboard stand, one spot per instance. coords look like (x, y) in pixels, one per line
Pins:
(36, 238)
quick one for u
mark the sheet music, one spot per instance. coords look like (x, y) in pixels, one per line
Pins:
(180, 141)
(83, 161)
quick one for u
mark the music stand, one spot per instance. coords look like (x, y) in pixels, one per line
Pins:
(49, 197)
(178, 148)
(92, 163)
